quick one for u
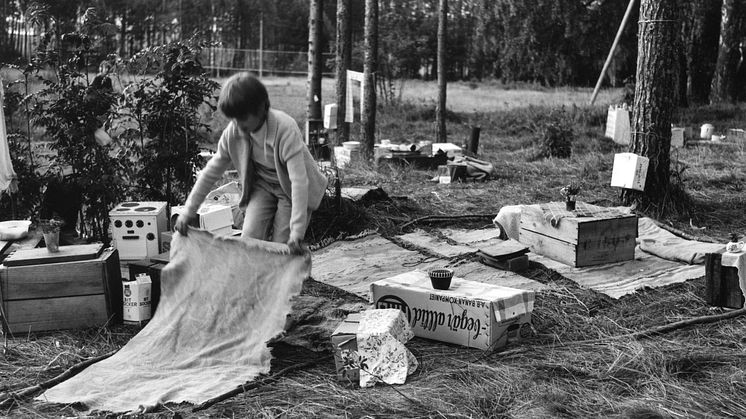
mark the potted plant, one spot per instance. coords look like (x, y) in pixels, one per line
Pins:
(570, 192)
(51, 231)
(734, 245)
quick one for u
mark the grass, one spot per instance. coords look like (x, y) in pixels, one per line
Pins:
(580, 362)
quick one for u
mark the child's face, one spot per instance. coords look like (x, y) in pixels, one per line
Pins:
(251, 122)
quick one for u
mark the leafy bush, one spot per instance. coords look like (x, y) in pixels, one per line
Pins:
(160, 124)
(555, 135)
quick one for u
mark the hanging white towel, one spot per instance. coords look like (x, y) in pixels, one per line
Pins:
(7, 175)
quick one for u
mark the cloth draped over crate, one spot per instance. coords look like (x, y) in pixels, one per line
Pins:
(222, 299)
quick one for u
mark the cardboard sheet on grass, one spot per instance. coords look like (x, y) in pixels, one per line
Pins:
(661, 258)
(354, 265)
(222, 300)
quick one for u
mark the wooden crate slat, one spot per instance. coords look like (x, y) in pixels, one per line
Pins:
(604, 229)
(535, 221)
(549, 246)
(56, 313)
(55, 280)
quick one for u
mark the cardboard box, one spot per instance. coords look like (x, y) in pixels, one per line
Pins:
(330, 116)
(62, 295)
(152, 269)
(136, 299)
(580, 241)
(677, 137)
(618, 127)
(215, 218)
(630, 171)
(344, 338)
(472, 314)
(344, 157)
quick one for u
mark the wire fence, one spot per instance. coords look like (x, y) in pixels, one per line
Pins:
(262, 62)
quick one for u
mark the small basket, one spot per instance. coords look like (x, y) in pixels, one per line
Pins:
(440, 278)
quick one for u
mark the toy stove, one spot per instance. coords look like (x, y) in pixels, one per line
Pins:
(136, 228)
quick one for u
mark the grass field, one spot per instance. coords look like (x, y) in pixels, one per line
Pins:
(584, 359)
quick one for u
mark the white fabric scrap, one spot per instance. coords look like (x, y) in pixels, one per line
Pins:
(7, 174)
(381, 335)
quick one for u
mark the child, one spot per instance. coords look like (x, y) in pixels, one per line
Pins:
(281, 182)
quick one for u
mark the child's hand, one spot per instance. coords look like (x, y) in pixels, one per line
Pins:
(295, 247)
(183, 222)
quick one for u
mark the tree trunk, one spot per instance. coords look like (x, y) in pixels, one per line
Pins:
(369, 76)
(702, 49)
(315, 22)
(723, 82)
(344, 60)
(653, 106)
(440, 112)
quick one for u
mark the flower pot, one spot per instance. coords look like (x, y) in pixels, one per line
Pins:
(52, 241)
(440, 278)
(570, 205)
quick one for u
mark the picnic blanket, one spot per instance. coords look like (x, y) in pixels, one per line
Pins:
(355, 264)
(222, 299)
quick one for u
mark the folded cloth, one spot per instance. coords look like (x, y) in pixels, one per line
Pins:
(222, 299)
(664, 244)
(554, 212)
(381, 335)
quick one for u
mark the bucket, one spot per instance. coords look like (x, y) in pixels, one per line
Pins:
(706, 131)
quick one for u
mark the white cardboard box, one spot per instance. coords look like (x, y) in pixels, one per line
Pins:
(630, 171)
(136, 299)
(330, 116)
(617, 125)
(215, 218)
(344, 157)
(677, 137)
(472, 314)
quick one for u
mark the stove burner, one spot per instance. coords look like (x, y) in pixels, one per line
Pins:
(145, 209)
(122, 209)
(129, 204)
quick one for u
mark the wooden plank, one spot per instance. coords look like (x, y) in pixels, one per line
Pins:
(534, 220)
(712, 279)
(593, 229)
(54, 280)
(113, 285)
(56, 313)
(606, 250)
(24, 257)
(550, 247)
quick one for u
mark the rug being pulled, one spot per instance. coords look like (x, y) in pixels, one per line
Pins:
(222, 299)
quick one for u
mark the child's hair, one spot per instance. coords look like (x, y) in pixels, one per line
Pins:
(241, 95)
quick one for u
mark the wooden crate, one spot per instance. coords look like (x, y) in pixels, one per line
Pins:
(722, 288)
(62, 295)
(580, 241)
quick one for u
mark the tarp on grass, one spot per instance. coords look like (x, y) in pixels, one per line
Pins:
(222, 299)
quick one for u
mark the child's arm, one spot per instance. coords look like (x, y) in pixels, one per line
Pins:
(292, 148)
(214, 169)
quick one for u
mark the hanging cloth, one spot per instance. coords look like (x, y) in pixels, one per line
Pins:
(8, 181)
